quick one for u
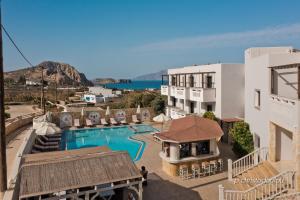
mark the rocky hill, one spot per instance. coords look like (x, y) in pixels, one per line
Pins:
(63, 74)
(151, 76)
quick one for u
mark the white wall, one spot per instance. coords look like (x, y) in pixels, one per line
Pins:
(232, 90)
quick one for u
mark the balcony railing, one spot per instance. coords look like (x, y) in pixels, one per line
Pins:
(164, 90)
(203, 94)
(284, 112)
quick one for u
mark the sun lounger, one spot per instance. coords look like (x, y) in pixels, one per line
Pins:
(124, 121)
(57, 136)
(41, 142)
(104, 122)
(135, 120)
(76, 123)
(113, 121)
(47, 139)
(35, 151)
(45, 148)
(88, 122)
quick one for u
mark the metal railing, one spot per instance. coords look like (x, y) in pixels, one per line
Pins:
(247, 162)
(265, 190)
(290, 196)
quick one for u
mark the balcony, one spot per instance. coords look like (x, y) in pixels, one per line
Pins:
(284, 112)
(164, 90)
(175, 112)
(203, 94)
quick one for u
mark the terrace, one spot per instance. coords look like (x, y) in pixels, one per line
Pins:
(194, 86)
(285, 95)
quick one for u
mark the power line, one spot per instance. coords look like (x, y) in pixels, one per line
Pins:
(15, 45)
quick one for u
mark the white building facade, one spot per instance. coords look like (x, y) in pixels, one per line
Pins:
(272, 100)
(196, 89)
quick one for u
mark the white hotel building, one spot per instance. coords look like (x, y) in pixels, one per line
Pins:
(200, 88)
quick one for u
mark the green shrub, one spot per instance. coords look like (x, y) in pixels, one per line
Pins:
(6, 115)
(159, 104)
(209, 115)
(242, 139)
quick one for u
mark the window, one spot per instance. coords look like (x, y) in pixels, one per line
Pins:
(185, 150)
(209, 83)
(257, 99)
(191, 81)
(208, 107)
(202, 147)
(256, 141)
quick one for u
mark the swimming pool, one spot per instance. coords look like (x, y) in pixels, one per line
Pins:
(116, 138)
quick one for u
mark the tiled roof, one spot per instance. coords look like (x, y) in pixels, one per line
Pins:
(191, 129)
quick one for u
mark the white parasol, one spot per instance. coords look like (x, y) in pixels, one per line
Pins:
(47, 129)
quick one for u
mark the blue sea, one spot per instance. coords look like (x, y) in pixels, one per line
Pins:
(136, 85)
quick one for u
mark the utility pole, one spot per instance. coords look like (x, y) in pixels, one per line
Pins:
(56, 85)
(3, 167)
(42, 92)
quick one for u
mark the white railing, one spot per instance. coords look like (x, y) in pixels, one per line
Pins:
(247, 162)
(265, 190)
(164, 90)
(291, 196)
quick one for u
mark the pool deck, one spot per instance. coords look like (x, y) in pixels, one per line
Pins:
(164, 187)
(160, 185)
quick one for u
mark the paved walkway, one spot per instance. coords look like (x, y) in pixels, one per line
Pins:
(17, 110)
(161, 186)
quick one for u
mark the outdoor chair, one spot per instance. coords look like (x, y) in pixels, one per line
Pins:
(76, 123)
(104, 122)
(124, 122)
(196, 170)
(220, 164)
(213, 166)
(183, 172)
(113, 121)
(88, 123)
(205, 168)
(41, 142)
(135, 119)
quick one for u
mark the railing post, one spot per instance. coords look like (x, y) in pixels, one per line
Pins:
(221, 192)
(256, 157)
(229, 162)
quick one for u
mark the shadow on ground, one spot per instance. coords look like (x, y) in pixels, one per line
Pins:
(158, 188)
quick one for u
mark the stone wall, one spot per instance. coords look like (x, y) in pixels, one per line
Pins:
(12, 125)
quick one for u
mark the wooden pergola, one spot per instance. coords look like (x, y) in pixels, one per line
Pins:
(90, 173)
(294, 65)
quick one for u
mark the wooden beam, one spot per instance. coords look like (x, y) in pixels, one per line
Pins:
(3, 167)
(135, 183)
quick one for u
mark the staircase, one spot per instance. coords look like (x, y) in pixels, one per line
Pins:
(253, 177)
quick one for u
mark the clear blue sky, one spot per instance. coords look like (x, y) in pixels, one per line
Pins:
(110, 38)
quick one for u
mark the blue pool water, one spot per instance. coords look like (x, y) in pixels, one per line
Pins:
(116, 138)
(136, 85)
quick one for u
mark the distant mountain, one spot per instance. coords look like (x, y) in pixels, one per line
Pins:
(63, 74)
(151, 76)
